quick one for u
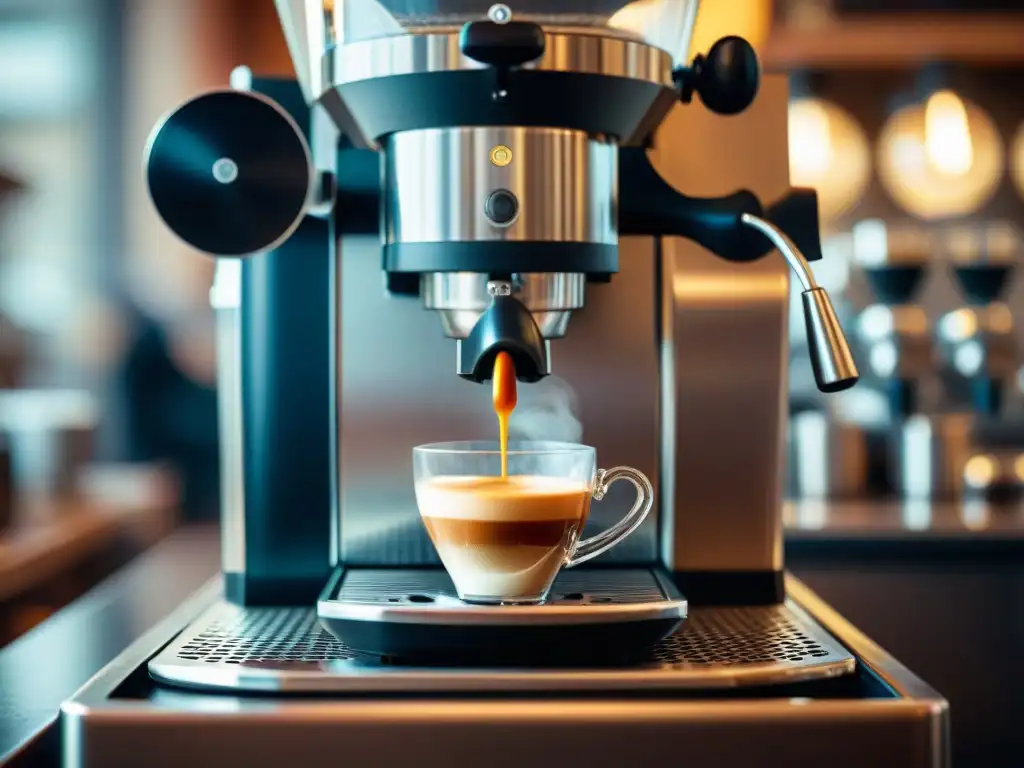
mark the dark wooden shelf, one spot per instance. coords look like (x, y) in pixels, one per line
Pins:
(902, 40)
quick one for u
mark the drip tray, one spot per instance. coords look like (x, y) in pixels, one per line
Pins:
(592, 616)
(286, 650)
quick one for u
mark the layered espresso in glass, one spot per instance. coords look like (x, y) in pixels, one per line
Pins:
(503, 539)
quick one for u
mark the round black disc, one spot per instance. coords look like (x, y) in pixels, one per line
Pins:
(229, 173)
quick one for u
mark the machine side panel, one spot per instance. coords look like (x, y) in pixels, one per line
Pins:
(399, 389)
(724, 364)
(285, 338)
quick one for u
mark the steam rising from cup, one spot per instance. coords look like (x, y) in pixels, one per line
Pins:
(546, 411)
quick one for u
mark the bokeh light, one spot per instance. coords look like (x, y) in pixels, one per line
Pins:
(941, 158)
(829, 152)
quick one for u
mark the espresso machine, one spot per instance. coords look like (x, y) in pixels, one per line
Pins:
(978, 345)
(443, 182)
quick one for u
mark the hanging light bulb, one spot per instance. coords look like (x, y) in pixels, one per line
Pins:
(810, 140)
(829, 152)
(947, 134)
(1017, 160)
(940, 158)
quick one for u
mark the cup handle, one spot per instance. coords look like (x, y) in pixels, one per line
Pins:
(595, 545)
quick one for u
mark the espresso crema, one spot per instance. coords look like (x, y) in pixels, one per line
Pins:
(502, 536)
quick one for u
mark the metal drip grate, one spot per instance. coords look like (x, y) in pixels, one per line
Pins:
(268, 649)
(728, 636)
(718, 637)
(263, 635)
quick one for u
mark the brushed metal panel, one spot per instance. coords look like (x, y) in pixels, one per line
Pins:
(565, 182)
(398, 389)
(909, 730)
(225, 299)
(724, 347)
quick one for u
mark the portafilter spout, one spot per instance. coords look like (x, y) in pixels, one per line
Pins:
(506, 326)
(834, 367)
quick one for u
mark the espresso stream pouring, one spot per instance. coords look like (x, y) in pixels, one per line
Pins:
(505, 398)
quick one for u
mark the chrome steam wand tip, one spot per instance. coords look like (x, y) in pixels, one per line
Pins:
(833, 364)
(831, 359)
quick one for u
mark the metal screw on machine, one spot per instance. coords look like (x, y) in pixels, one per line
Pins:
(500, 13)
(499, 288)
(834, 367)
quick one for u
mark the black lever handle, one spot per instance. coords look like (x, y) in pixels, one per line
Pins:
(727, 78)
(502, 46)
(648, 205)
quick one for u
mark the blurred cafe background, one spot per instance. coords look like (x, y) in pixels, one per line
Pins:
(906, 115)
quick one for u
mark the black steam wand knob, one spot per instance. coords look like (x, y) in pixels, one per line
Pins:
(727, 78)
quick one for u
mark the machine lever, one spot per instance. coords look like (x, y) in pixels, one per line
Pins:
(648, 205)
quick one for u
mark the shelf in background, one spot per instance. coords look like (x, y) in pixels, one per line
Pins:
(898, 40)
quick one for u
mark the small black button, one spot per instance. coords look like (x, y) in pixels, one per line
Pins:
(501, 207)
(420, 599)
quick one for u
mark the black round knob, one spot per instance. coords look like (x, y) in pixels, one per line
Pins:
(729, 76)
(501, 206)
(503, 46)
(229, 173)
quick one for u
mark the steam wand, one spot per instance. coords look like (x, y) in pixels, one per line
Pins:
(833, 364)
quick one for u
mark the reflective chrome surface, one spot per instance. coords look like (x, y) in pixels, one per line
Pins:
(306, 32)
(715, 648)
(877, 243)
(830, 458)
(397, 390)
(979, 341)
(590, 52)
(907, 730)
(438, 180)
(928, 455)
(834, 367)
(580, 596)
(724, 352)
(898, 341)
(225, 298)
(461, 297)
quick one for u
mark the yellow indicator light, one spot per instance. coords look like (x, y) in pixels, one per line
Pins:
(501, 155)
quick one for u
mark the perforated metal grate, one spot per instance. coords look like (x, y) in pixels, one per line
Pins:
(259, 635)
(729, 636)
(719, 637)
(286, 649)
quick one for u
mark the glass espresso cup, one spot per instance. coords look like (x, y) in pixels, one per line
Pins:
(504, 539)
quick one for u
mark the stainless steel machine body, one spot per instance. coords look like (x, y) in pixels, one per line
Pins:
(677, 367)
(880, 716)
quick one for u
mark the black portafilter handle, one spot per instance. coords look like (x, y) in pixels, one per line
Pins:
(727, 77)
(506, 326)
(502, 46)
